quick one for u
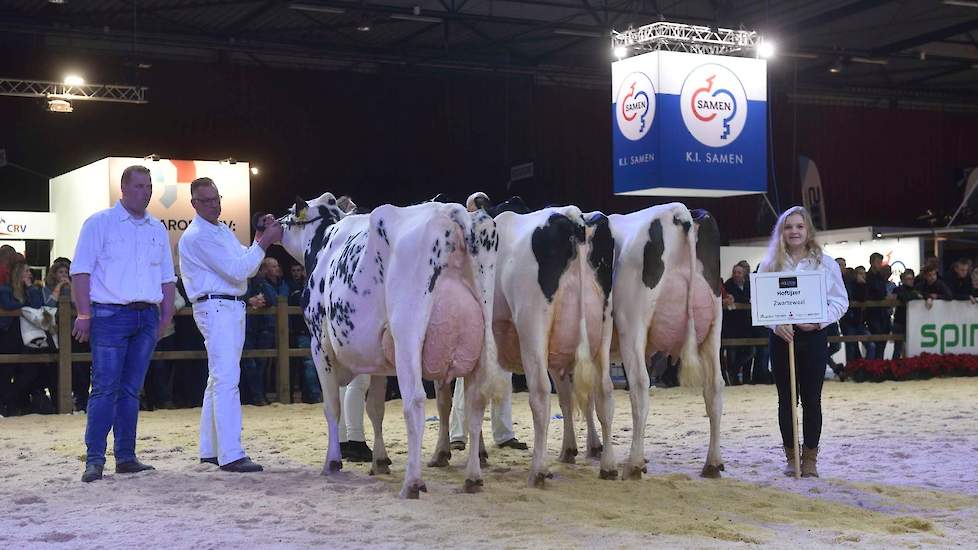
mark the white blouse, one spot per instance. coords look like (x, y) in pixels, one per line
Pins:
(835, 291)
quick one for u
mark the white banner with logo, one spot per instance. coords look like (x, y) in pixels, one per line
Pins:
(947, 327)
(27, 225)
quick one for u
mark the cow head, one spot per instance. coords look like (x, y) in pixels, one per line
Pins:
(306, 224)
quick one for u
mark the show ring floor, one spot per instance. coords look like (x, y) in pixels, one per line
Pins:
(899, 466)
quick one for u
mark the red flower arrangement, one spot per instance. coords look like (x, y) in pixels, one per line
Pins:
(927, 365)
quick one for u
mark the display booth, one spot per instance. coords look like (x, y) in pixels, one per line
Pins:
(78, 194)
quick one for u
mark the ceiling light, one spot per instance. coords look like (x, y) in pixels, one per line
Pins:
(573, 32)
(879, 235)
(59, 106)
(74, 80)
(300, 6)
(56, 1)
(766, 49)
(417, 18)
(620, 52)
(838, 66)
(254, 170)
(364, 25)
(962, 3)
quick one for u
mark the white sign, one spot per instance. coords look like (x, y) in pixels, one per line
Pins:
(948, 327)
(788, 297)
(27, 225)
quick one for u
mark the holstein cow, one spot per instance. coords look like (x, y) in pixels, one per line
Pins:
(405, 291)
(553, 313)
(667, 298)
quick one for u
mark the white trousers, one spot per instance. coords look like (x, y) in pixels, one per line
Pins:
(222, 323)
(500, 414)
(352, 401)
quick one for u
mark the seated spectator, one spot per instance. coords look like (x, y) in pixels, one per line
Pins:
(903, 294)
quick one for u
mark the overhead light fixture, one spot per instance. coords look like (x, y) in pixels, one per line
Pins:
(962, 3)
(301, 6)
(416, 18)
(843, 242)
(620, 52)
(56, 1)
(838, 66)
(574, 32)
(59, 106)
(879, 235)
(254, 170)
(766, 49)
(365, 22)
(74, 80)
(870, 61)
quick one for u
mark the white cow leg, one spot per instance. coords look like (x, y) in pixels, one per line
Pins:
(538, 386)
(604, 404)
(412, 393)
(713, 397)
(638, 390)
(593, 439)
(475, 408)
(331, 406)
(443, 453)
(375, 410)
(565, 394)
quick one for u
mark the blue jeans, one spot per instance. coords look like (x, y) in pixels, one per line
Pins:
(122, 343)
(252, 384)
(309, 381)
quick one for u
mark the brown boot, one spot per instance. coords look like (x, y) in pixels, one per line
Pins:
(808, 459)
(789, 454)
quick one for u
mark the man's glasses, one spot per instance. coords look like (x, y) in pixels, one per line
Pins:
(210, 202)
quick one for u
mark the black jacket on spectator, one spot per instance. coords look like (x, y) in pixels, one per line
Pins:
(961, 288)
(904, 294)
(939, 288)
(858, 292)
(737, 323)
(875, 290)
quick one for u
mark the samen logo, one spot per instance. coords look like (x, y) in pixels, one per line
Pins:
(948, 336)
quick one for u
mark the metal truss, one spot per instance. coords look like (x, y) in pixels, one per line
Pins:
(58, 90)
(678, 37)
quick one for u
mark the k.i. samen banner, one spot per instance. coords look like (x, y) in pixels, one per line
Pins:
(948, 327)
(689, 125)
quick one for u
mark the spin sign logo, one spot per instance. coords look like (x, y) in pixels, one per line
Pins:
(635, 106)
(714, 105)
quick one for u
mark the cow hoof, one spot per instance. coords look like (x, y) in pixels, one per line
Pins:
(711, 471)
(608, 474)
(473, 486)
(483, 458)
(440, 460)
(332, 466)
(568, 456)
(382, 466)
(413, 492)
(595, 452)
(539, 481)
(632, 472)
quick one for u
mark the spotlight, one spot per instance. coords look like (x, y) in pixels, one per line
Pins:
(74, 80)
(364, 25)
(254, 170)
(766, 49)
(59, 106)
(620, 52)
(879, 235)
(838, 66)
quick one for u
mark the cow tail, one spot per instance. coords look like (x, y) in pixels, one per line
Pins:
(691, 371)
(584, 367)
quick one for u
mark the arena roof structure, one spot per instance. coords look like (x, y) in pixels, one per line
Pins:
(849, 48)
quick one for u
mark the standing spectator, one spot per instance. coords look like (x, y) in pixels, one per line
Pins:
(793, 248)
(931, 287)
(737, 324)
(960, 281)
(215, 269)
(158, 389)
(58, 281)
(16, 380)
(903, 294)
(930, 261)
(7, 257)
(259, 334)
(877, 318)
(188, 385)
(853, 323)
(122, 272)
(308, 380)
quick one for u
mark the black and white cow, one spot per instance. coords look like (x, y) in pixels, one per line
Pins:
(667, 298)
(553, 314)
(405, 291)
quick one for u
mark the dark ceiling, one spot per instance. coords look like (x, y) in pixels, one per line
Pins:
(909, 48)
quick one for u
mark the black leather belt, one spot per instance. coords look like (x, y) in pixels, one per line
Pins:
(137, 306)
(206, 297)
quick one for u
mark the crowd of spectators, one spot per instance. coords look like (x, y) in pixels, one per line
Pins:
(29, 387)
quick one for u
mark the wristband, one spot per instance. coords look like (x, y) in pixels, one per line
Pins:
(84, 317)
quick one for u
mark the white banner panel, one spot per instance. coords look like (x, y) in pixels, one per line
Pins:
(900, 254)
(788, 297)
(28, 225)
(948, 327)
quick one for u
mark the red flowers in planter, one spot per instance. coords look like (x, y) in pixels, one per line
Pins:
(927, 365)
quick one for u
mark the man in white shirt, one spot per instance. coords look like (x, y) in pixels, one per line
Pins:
(215, 268)
(123, 286)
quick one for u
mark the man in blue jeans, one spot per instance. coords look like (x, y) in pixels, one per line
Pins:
(122, 273)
